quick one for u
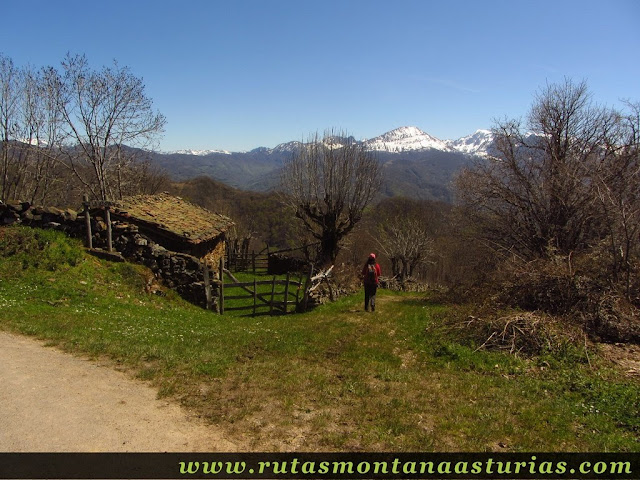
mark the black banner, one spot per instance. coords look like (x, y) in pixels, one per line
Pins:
(320, 465)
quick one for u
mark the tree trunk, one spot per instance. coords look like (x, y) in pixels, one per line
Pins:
(329, 249)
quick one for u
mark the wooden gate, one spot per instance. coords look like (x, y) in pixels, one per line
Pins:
(284, 296)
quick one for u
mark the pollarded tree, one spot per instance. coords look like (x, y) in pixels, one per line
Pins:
(105, 111)
(329, 181)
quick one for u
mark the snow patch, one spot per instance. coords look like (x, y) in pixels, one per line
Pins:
(200, 153)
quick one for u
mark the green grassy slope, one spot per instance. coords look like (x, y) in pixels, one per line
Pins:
(337, 378)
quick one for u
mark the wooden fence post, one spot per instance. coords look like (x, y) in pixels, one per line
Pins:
(255, 296)
(107, 217)
(298, 294)
(286, 294)
(273, 291)
(307, 286)
(207, 284)
(221, 275)
(87, 220)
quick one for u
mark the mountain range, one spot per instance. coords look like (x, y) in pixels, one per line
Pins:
(415, 164)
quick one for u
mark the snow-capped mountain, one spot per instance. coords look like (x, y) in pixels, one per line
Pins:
(400, 140)
(288, 147)
(478, 143)
(406, 139)
(412, 139)
(200, 153)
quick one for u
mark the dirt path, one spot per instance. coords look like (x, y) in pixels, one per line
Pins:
(54, 402)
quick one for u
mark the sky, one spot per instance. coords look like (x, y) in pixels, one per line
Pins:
(240, 74)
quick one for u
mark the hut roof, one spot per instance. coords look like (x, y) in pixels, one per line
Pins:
(173, 216)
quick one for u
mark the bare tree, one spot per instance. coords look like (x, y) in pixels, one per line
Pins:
(618, 187)
(104, 111)
(563, 197)
(406, 234)
(30, 125)
(9, 101)
(60, 133)
(40, 135)
(538, 195)
(405, 241)
(329, 181)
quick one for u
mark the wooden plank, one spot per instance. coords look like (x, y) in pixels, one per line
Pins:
(286, 294)
(237, 282)
(238, 297)
(290, 282)
(250, 284)
(246, 307)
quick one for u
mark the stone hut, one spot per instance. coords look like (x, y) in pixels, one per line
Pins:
(176, 225)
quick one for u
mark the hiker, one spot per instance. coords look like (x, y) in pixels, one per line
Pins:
(370, 275)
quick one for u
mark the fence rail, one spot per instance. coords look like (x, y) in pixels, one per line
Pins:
(242, 260)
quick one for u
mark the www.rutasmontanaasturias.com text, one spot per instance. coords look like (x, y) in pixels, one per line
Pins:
(399, 467)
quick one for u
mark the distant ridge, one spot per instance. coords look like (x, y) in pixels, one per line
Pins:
(401, 139)
(415, 163)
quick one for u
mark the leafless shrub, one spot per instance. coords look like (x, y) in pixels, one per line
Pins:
(407, 284)
(527, 333)
(613, 319)
(573, 287)
(516, 332)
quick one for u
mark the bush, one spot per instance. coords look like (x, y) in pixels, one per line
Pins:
(579, 289)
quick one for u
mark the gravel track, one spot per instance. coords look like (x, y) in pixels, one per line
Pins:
(55, 402)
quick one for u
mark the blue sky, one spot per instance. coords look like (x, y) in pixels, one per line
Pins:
(240, 74)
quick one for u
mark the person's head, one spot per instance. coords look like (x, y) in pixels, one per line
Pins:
(372, 258)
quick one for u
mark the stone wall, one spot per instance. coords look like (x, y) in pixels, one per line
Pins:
(179, 271)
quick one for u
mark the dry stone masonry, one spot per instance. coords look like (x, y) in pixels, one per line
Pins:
(179, 271)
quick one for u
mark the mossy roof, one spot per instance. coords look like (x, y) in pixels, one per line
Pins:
(174, 216)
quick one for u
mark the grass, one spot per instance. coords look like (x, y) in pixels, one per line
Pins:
(337, 378)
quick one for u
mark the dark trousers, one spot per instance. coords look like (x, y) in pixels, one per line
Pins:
(370, 296)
